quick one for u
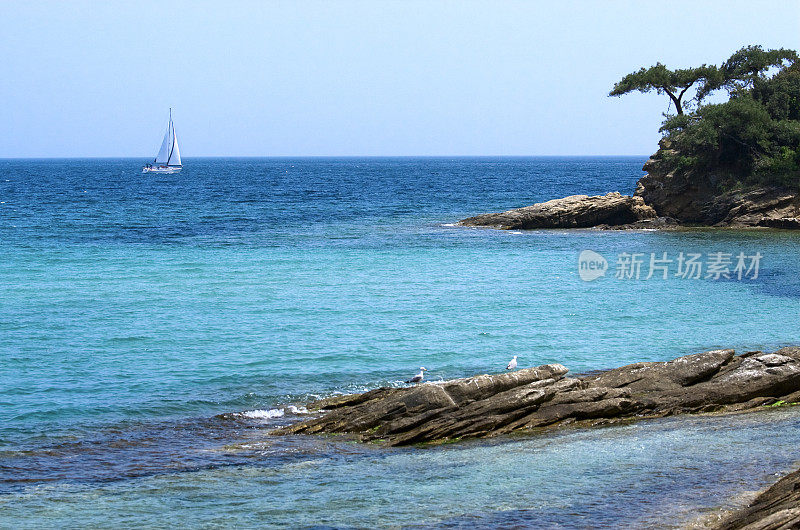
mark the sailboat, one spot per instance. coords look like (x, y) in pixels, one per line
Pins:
(168, 159)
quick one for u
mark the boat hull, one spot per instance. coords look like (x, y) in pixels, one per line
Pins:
(160, 169)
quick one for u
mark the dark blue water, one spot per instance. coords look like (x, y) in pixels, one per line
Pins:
(153, 327)
(265, 201)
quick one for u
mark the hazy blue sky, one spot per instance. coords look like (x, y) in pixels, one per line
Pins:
(354, 78)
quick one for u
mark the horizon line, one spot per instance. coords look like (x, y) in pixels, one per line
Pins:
(313, 156)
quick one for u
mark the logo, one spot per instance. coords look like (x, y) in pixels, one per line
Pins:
(591, 265)
(714, 266)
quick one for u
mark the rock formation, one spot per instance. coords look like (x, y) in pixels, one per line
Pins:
(664, 198)
(575, 211)
(533, 398)
(696, 199)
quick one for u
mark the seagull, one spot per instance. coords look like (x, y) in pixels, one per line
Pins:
(417, 378)
(512, 364)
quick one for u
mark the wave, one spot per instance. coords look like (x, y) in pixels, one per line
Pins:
(268, 414)
(262, 414)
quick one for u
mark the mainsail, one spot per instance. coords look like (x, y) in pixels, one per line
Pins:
(169, 154)
(175, 158)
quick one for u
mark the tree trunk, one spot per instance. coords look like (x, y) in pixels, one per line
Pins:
(676, 100)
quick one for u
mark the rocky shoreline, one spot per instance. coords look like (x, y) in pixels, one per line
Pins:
(715, 381)
(777, 507)
(663, 199)
(575, 211)
(533, 400)
(544, 397)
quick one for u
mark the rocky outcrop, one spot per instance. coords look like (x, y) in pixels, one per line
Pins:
(776, 508)
(696, 199)
(674, 194)
(664, 198)
(534, 398)
(575, 211)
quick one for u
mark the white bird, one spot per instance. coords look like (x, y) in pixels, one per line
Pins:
(512, 364)
(417, 378)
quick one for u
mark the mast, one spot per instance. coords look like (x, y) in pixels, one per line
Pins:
(169, 153)
(171, 132)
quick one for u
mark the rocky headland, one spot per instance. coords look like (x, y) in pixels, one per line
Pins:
(664, 198)
(543, 397)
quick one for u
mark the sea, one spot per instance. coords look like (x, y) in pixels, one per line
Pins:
(155, 328)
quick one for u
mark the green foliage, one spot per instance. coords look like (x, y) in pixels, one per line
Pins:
(750, 64)
(674, 83)
(740, 72)
(753, 138)
(781, 403)
(780, 95)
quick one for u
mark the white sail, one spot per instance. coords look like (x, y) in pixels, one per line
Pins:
(175, 157)
(166, 147)
(168, 159)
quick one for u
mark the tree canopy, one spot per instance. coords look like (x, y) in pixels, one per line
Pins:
(744, 67)
(674, 83)
(739, 72)
(753, 138)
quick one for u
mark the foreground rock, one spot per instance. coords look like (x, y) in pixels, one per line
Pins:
(776, 508)
(575, 211)
(534, 398)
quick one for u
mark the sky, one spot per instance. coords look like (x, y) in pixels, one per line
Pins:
(355, 78)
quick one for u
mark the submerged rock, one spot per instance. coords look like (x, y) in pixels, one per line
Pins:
(575, 211)
(488, 405)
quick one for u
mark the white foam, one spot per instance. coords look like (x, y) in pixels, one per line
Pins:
(268, 414)
(262, 414)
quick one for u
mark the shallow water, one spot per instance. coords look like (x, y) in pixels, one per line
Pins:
(141, 314)
(659, 474)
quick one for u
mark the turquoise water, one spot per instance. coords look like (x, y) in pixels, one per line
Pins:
(140, 316)
(660, 474)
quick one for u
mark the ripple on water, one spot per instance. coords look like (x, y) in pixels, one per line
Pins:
(659, 473)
